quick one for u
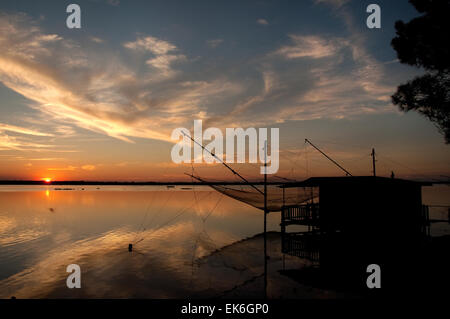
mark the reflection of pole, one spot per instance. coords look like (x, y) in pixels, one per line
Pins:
(282, 227)
(265, 219)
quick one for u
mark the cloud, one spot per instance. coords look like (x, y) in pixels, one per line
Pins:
(327, 77)
(321, 77)
(151, 44)
(64, 130)
(13, 143)
(162, 59)
(96, 39)
(163, 63)
(68, 168)
(21, 130)
(214, 43)
(262, 22)
(88, 167)
(44, 159)
(308, 46)
(154, 87)
(8, 142)
(346, 80)
(95, 89)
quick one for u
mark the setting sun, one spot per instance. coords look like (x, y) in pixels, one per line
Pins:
(47, 179)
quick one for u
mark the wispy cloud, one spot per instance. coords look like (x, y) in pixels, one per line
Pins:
(68, 168)
(163, 62)
(310, 46)
(21, 130)
(94, 89)
(96, 39)
(13, 143)
(21, 143)
(214, 43)
(151, 44)
(262, 21)
(44, 159)
(310, 76)
(328, 77)
(161, 59)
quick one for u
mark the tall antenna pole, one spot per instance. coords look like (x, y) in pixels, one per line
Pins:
(334, 162)
(373, 162)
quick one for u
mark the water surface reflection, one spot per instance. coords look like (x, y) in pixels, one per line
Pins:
(183, 243)
(43, 231)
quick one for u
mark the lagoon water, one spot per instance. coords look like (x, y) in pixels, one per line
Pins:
(176, 234)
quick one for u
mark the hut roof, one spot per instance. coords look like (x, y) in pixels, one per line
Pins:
(347, 180)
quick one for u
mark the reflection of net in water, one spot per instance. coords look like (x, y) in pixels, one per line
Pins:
(276, 196)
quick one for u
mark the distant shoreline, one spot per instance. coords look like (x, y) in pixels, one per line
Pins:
(19, 182)
(117, 183)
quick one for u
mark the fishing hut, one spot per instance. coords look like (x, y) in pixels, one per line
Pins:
(355, 221)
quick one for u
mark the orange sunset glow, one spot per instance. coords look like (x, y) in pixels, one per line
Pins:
(214, 152)
(97, 107)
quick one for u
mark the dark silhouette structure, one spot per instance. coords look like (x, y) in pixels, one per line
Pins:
(356, 222)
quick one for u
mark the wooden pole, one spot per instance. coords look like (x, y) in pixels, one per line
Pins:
(265, 219)
(225, 164)
(373, 162)
(332, 160)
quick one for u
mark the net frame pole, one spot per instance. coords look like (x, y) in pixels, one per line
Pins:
(225, 164)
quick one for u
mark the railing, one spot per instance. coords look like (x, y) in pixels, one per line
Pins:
(300, 213)
(434, 218)
(425, 221)
(303, 245)
(438, 213)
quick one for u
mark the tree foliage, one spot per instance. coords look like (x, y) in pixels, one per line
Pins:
(423, 42)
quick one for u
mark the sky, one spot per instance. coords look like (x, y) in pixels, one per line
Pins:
(101, 102)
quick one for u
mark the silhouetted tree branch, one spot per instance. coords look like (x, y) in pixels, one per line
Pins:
(423, 42)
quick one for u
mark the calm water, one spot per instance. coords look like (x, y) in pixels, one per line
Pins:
(42, 230)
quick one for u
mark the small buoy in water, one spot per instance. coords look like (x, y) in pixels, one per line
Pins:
(130, 247)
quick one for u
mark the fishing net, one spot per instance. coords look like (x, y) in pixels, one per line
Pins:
(276, 196)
